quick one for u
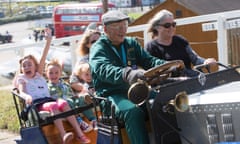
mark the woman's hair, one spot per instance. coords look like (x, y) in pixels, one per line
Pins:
(85, 40)
(28, 57)
(81, 67)
(157, 19)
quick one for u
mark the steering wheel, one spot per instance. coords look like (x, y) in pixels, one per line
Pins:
(162, 72)
(139, 91)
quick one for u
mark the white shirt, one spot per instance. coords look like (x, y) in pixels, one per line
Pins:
(36, 86)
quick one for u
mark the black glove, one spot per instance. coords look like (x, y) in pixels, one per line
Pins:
(131, 76)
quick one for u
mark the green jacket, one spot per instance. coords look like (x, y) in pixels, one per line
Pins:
(107, 65)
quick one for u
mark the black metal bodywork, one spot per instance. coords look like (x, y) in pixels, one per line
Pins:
(199, 125)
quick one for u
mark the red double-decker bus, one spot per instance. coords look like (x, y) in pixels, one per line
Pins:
(73, 19)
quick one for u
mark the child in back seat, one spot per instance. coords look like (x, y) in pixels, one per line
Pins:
(33, 88)
(82, 80)
(60, 89)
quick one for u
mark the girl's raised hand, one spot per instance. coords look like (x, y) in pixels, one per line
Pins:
(48, 33)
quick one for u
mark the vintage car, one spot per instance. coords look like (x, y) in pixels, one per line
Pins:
(199, 110)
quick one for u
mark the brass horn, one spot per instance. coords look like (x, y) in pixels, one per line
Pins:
(180, 103)
(138, 92)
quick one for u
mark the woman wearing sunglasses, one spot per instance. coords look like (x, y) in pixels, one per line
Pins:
(165, 44)
(89, 37)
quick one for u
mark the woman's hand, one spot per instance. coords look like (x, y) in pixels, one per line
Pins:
(210, 61)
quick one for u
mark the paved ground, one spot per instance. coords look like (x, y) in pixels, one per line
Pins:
(8, 138)
(20, 32)
(5, 82)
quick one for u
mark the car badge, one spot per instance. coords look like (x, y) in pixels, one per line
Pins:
(202, 78)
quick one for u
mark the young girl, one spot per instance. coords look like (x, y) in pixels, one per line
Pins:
(82, 73)
(60, 89)
(33, 88)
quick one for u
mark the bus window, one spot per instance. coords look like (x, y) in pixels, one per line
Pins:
(67, 28)
(76, 28)
(75, 11)
(99, 10)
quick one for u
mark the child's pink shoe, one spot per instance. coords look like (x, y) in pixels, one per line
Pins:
(84, 140)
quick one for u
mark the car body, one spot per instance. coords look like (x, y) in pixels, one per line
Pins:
(213, 115)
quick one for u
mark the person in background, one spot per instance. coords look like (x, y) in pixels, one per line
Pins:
(33, 88)
(41, 35)
(60, 89)
(89, 37)
(169, 46)
(115, 62)
(35, 35)
(94, 26)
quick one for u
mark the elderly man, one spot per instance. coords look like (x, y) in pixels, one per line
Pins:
(114, 61)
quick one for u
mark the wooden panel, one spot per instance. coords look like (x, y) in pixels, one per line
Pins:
(53, 136)
(125, 136)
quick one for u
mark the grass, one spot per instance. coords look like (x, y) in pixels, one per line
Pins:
(134, 15)
(8, 112)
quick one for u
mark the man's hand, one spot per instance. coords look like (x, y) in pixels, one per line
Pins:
(131, 76)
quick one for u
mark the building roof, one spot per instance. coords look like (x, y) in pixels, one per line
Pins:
(209, 6)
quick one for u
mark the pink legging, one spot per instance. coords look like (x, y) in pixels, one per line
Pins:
(59, 104)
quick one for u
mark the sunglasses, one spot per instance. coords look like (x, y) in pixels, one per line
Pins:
(168, 25)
